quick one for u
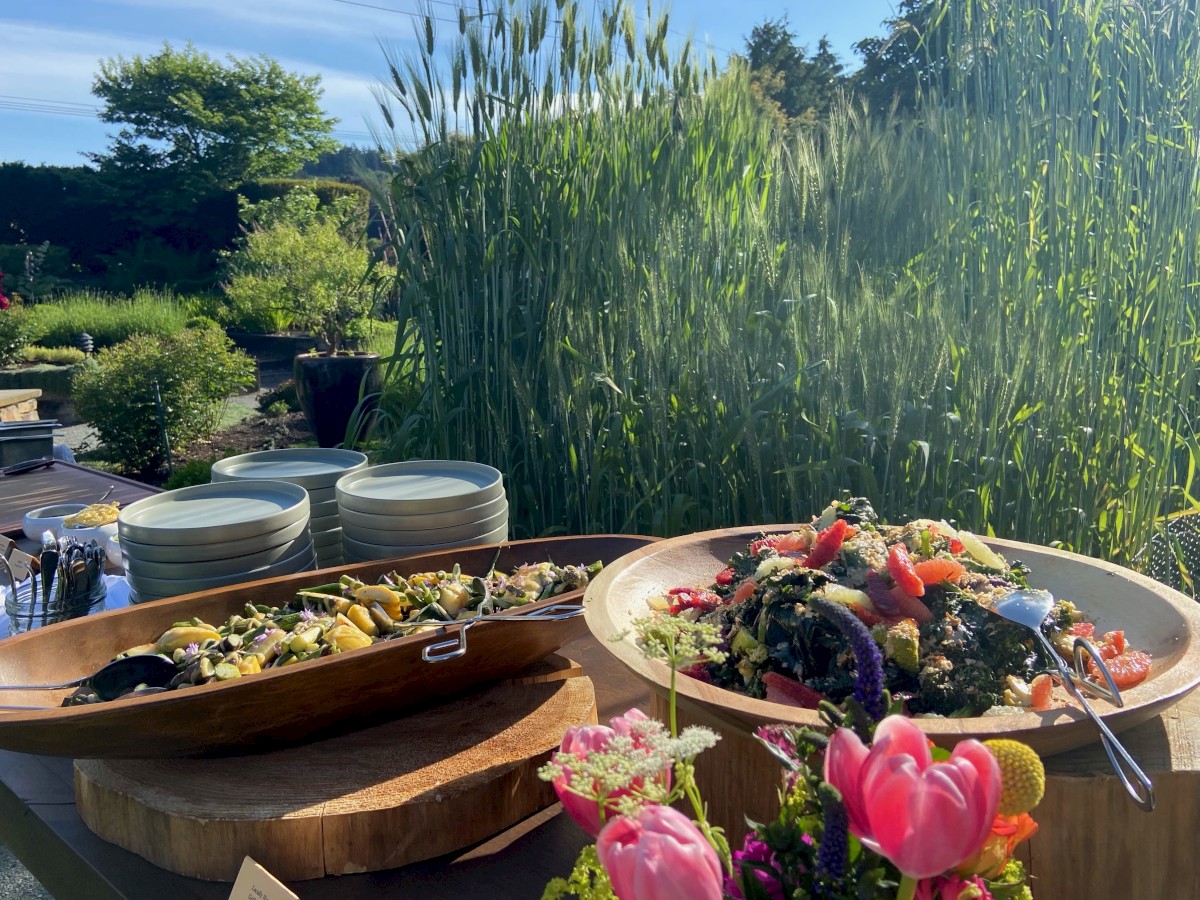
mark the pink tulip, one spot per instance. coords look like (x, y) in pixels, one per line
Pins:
(925, 817)
(583, 740)
(659, 855)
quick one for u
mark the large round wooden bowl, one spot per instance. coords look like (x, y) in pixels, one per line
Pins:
(1161, 621)
(286, 705)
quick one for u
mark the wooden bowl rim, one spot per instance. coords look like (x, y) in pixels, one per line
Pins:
(177, 606)
(1170, 684)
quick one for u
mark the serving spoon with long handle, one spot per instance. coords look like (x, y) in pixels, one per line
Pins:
(1030, 608)
(112, 680)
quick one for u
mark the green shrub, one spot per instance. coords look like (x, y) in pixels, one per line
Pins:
(55, 356)
(195, 372)
(18, 328)
(326, 190)
(285, 393)
(52, 380)
(110, 320)
(305, 265)
(196, 471)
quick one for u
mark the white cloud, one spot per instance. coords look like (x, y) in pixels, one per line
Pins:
(360, 19)
(45, 63)
(58, 64)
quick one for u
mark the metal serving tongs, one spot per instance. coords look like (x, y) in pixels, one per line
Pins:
(1030, 608)
(456, 647)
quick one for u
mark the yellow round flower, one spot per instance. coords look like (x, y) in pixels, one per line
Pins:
(1022, 776)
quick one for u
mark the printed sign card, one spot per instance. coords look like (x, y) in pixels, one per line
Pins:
(256, 883)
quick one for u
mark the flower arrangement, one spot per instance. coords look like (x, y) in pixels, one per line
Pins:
(869, 808)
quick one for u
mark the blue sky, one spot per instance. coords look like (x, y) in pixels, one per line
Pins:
(51, 50)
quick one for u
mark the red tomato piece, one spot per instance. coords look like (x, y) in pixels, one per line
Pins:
(956, 546)
(699, 671)
(825, 547)
(725, 577)
(1082, 629)
(900, 567)
(935, 571)
(693, 598)
(1128, 669)
(769, 541)
(745, 590)
(790, 692)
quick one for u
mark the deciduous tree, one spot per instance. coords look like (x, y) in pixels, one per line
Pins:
(209, 124)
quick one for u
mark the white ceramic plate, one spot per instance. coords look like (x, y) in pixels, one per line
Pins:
(365, 551)
(327, 538)
(171, 587)
(324, 509)
(48, 518)
(404, 537)
(330, 557)
(315, 495)
(207, 513)
(364, 522)
(215, 568)
(310, 467)
(324, 523)
(218, 550)
(322, 495)
(419, 487)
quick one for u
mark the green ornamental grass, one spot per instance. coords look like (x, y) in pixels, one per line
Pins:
(657, 315)
(110, 319)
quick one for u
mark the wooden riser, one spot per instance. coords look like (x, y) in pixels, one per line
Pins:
(393, 794)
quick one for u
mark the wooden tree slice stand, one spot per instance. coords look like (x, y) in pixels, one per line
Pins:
(430, 783)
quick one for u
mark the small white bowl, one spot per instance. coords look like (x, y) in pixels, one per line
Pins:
(113, 551)
(84, 533)
(49, 518)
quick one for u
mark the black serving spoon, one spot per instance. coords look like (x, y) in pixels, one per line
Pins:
(113, 680)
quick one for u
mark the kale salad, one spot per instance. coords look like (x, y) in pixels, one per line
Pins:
(922, 588)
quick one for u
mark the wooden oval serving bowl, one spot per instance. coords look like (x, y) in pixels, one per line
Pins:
(1155, 618)
(279, 706)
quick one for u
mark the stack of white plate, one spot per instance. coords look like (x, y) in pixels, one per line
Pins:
(317, 470)
(213, 535)
(420, 506)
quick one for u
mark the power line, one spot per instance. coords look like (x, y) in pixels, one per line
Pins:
(59, 102)
(406, 12)
(89, 111)
(451, 3)
(48, 107)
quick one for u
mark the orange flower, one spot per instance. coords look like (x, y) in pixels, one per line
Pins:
(1007, 833)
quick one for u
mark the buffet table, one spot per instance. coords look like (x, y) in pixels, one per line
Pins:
(40, 824)
(62, 482)
(1093, 843)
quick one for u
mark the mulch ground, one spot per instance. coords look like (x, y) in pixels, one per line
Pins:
(255, 433)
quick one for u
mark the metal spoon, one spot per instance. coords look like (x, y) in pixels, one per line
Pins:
(113, 680)
(1030, 608)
